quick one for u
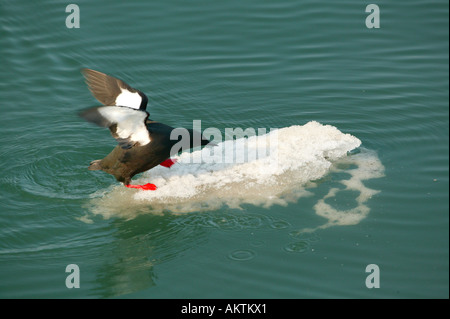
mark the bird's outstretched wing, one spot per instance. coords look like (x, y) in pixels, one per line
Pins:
(111, 91)
(127, 125)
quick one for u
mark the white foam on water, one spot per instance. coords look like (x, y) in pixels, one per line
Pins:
(288, 162)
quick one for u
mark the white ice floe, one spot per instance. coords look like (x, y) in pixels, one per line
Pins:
(275, 169)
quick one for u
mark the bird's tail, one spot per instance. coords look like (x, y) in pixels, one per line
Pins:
(95, 165)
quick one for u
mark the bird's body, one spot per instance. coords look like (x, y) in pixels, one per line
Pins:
(143, 143)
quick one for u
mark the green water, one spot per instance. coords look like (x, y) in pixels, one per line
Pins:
(230, 64)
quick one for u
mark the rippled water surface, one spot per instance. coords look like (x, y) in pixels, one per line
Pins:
(362, 158)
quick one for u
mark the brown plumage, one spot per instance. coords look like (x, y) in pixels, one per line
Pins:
(106, 88)
(143, 143)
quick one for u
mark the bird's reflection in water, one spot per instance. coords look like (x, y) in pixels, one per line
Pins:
(140, 245)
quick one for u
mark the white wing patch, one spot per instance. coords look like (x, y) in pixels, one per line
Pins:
(129, 99)
(130, 124)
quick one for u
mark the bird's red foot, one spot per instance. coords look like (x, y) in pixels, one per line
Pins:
(168, 162)
(146, 187)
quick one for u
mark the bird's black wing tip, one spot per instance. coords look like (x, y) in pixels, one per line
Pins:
(92, 115)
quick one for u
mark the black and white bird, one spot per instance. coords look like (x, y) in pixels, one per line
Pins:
(142, 143)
